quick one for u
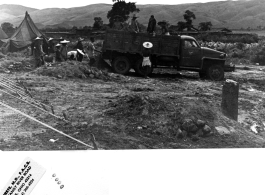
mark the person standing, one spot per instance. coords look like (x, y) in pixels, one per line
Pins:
(79, 44)
(50, 46)
(146, 64)
(165, 30)
(58, 57)
(151, 25)
(91, 51)
(64, 49)
(79, 47)
(79, 55)
(38, 52)
(32, 45)
(164, 27)
(134, 24)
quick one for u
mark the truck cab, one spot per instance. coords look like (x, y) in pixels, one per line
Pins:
(206, 61)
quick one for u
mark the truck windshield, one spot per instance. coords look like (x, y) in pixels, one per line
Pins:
(190, 43)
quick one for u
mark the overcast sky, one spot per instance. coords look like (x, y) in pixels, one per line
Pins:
(78, 3)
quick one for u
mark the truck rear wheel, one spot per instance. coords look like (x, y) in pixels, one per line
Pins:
(139, 68)
(215, 72)
(121, 65)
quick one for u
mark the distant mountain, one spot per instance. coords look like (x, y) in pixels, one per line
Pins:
(230, 14)
(9, 12)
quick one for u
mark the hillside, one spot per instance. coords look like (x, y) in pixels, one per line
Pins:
(231, 14)
(10, 12)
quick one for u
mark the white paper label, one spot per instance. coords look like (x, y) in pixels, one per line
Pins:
(24, 179)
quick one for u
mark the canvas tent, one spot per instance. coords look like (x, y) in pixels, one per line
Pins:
(2, 36)
(24, 36)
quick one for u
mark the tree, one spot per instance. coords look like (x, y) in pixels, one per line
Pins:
(181, 26)
(204, 26)
(163, 23)
(98, 24)
(122, 9)
(8, 28)
(85, 27)
(189, 16)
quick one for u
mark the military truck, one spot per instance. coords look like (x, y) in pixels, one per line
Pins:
(123, 49)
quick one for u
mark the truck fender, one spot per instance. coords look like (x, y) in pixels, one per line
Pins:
(206, 62)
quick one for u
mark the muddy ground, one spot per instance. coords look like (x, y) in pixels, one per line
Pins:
(130, 112)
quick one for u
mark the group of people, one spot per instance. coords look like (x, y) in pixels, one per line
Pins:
(60, 51)
(134, 26)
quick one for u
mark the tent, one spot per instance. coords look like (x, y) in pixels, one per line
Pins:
(24, 36)
(2, 34)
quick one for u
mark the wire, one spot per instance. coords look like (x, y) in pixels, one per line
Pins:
(48, 126)
(12, 84)
(19, 92)
(34, 105)
(11, 88)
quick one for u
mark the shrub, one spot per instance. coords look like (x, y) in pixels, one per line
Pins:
(240, 45)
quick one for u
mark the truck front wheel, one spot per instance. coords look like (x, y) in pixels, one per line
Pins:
(121, 65)
(139, 68)
(215, 72)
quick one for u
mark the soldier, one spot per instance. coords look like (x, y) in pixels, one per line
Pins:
(134, 24)
(151, 25)
(91, 51)
(50, 46)
(58, 57)
(38, 52)
(79, 55)
(164, 27)
(147, 65)
(64, 49)
(79, 46)
(32, 45)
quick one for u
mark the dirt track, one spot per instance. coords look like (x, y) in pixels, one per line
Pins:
(134, 113)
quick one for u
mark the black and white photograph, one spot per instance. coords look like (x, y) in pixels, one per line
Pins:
(130, 97)
(131, 75)
(127, 75)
